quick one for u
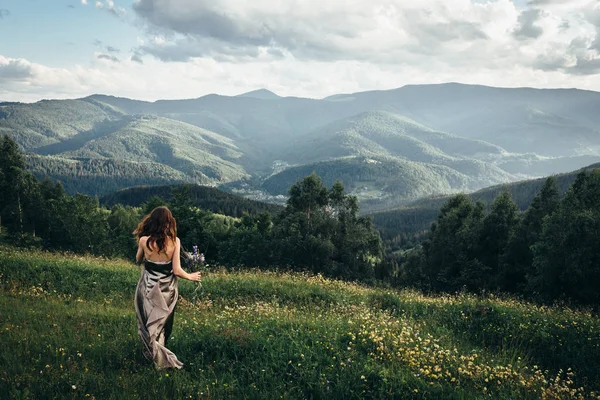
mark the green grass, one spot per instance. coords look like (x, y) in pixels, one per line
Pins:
(68, 331)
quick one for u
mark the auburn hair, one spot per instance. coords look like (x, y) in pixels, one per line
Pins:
(158, 225)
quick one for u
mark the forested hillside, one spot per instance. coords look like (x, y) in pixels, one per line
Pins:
(100, 175)
(207, 198)
(379, 182)
(382, 133)
(418, 216)
(52, 121)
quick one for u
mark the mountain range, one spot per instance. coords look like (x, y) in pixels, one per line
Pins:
(388, 147)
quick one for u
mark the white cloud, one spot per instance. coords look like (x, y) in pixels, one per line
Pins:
(17, 70)
(492, 35)
(108, 6)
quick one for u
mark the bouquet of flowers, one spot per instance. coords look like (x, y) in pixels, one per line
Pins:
(195, 262)
(198, 262)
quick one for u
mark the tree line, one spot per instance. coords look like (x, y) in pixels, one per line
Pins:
(319, 230)
(205, 197)
(549, 252)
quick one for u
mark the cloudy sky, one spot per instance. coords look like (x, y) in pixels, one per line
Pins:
(151, 49)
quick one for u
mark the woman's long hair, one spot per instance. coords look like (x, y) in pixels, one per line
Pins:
(158, 225)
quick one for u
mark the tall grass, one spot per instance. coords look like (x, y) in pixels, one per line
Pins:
(67, 330)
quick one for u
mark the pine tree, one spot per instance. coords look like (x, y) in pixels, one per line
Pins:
(498, 227)
(517, 262)
(567, 256)
(152, 203)
(449, 254)
(307, 195)
(14, 181)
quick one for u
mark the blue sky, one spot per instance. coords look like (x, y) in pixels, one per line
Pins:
(151, 49)
(61, 33)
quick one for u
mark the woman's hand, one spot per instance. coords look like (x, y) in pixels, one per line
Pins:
(194, 276)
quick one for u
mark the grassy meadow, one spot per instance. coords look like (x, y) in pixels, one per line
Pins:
(68, 330)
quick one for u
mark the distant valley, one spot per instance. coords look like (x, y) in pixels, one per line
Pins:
(388, 147)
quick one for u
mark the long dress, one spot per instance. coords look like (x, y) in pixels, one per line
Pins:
(155, 299)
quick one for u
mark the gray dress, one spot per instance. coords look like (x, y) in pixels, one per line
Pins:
(155, 299)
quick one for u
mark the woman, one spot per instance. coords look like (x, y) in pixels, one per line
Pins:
(156, 293)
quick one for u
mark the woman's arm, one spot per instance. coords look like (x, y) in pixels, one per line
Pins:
(139, 257)
(177, 270)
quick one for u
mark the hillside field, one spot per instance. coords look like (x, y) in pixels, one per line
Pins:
(68, 330)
